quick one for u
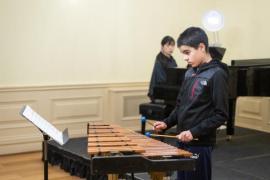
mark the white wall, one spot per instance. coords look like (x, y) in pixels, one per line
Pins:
(246, 31)
(81, 41)
(51, 42)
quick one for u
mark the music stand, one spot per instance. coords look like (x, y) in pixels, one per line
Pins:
(48, 131)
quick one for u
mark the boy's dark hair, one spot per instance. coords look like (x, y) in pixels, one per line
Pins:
(167, 40)
(192, 37)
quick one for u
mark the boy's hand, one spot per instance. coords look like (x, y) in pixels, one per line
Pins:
(185, 136)
(159, 126)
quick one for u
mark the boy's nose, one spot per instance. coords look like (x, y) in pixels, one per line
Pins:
(185, 58)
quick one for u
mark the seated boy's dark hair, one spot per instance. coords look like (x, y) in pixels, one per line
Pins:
(167, 40)
(192, 37)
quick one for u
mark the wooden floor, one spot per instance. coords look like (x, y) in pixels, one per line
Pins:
(28, 166)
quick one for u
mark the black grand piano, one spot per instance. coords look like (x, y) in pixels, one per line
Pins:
(246, 78)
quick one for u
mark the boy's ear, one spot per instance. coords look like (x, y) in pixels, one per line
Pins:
(202, 47)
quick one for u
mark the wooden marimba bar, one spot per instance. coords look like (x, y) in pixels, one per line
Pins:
(108, 139)
(115, 150)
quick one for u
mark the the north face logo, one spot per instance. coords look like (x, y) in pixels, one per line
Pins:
(204, 83)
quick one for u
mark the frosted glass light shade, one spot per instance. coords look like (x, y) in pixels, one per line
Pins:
(213, 21)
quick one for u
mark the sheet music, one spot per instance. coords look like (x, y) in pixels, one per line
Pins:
(44, 125)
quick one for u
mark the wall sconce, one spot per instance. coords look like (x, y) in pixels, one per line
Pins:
(213, 21)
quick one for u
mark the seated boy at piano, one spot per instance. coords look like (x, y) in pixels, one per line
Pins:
(202, 103)
(164, 60)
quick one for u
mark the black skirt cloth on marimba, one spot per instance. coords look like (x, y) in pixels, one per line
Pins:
(72, 157)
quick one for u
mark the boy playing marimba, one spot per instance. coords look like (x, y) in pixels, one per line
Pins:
(202, 104)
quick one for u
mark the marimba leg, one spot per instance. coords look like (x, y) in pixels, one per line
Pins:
(157, 175)
(112, 176)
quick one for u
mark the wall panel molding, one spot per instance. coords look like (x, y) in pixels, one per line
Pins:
(70, 106)
(127, 100)
(253, 113)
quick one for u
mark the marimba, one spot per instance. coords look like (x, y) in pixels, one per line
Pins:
(116, 150)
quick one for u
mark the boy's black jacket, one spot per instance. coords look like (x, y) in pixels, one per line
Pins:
(202, 104)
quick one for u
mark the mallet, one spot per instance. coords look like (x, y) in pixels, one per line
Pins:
(148, 134)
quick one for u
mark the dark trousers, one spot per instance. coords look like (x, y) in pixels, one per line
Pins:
(203, 164)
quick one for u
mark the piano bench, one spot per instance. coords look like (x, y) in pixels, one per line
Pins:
(155, 111)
